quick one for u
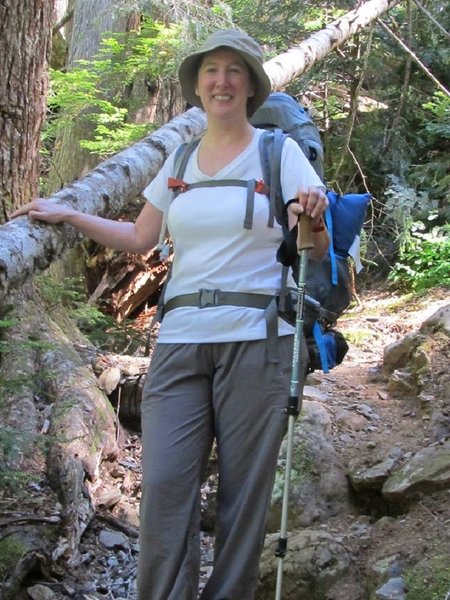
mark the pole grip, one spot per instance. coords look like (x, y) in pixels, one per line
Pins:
(304, 233)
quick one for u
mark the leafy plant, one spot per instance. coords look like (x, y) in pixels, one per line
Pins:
(97, 90)
(11, 551)
(100, 328)
(424, 259)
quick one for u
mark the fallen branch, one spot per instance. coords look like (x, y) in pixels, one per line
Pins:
(415, 58)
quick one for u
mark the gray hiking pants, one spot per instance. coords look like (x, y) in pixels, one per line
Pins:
(193, 394)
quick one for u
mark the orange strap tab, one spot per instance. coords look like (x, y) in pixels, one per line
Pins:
(177, 184)
(262, 188)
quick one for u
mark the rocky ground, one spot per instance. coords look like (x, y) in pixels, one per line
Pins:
(367, 420)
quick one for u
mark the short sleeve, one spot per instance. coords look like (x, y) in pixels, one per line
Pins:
(157, 192)
(296, 171)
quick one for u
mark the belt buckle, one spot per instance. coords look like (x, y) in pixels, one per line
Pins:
(207, 298)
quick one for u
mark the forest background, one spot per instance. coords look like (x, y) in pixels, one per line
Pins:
(101, 75)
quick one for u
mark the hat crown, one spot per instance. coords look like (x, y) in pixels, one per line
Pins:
(234, 39)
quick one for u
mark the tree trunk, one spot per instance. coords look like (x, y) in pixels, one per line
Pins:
(26, 249)
(25, 40)
(92, 19)
(284, 68)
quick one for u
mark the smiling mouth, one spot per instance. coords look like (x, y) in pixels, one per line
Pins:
(222, 97)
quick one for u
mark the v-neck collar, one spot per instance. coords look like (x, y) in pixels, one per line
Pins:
(224, 172)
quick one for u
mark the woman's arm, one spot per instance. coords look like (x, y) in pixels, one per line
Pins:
(140, 236)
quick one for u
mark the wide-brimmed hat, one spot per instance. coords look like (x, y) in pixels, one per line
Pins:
(240, 43)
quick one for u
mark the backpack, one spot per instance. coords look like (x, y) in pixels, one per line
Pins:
(328, 284)
(328, 288)
(282, 111)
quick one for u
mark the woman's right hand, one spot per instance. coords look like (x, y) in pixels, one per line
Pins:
(42, 209)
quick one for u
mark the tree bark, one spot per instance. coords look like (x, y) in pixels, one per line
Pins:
(80, 429)
(92, 19)
(285, 67)
(26, 249)
(25, 40)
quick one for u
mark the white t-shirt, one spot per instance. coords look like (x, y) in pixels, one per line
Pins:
(212, 249)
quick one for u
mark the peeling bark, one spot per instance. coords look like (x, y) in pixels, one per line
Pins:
(127, 282)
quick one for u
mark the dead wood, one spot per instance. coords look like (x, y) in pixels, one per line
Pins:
(127, 281)
(121, 377)
(118, 524)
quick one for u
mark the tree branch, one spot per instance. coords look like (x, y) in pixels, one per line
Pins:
(298, 60)
(415, 58)
(60, 24)
(393, 131)
(430, 16)
(354, 106)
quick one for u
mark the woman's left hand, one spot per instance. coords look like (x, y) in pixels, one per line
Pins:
(312, 201)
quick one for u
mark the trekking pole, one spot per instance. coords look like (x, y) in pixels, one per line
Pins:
(304, 243)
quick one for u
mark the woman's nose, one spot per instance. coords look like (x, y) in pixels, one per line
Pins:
(222, 77)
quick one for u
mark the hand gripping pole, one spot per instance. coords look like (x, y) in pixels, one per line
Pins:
(304, 243)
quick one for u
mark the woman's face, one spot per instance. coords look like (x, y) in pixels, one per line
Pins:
(224, 84)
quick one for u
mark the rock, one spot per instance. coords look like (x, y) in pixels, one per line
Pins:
(319, 487)
(128, 512)
(402, 383)
(397, 354)
(109, 379)
(376, 475)
(381, 570)
(349, 420)
(428, 470)
(109, 497)
(41, 592)
(394, 589)
(113, 539)
(314, 563)
(439, 320)
(367, 411)
(314, 393)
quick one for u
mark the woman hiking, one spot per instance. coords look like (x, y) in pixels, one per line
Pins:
(213, 375)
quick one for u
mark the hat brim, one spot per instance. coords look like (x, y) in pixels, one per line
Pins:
(188, 70)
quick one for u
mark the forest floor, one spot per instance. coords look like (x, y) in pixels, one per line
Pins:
(109, 546)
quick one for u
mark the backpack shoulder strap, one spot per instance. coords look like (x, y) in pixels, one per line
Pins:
(270, 149)
(182, 155)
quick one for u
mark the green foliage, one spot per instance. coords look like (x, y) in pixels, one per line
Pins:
(439, 124)
(424, 259)
(100, 328)
(15, 443)
(11, 551)
(432, 170)
(432, 583)
(97, 90)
